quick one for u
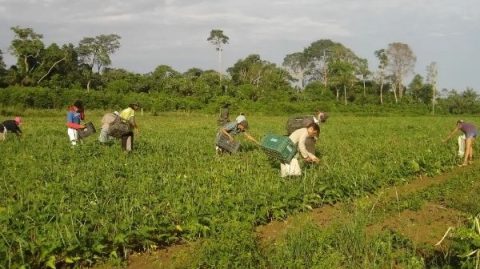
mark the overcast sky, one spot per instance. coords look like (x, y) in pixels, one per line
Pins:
(174, 32)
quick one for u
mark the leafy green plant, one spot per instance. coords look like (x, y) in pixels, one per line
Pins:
(466, 243)
(84, 204)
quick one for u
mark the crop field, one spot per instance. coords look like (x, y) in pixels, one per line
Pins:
(62, 206)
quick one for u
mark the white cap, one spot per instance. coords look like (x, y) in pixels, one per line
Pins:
(240, 118)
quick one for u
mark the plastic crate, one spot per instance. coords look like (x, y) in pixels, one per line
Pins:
(223, 142)
(279, 147)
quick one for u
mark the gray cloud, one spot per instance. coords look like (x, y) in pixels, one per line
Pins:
(174, 32)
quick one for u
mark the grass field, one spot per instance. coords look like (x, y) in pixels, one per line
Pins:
(66, 206)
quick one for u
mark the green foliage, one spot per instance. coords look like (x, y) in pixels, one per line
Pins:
(304, 246)
(325, 62)
(460, 103)
(466, 244)
(96, 51)
(91, 202)
(342, 246)
(257, 72)
(234, 246)
(3, 72)
(217, 38)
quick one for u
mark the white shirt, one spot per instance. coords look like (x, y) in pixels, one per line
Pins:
(298, 137)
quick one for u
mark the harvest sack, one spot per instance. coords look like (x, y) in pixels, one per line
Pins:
(298, 122)
(461, 145)
(119, 128)
(290, 169)
(87, 131)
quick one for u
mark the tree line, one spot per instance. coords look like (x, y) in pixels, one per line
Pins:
(325, 71)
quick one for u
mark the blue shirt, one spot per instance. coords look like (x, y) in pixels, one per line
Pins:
(73, 117)
(232, 128)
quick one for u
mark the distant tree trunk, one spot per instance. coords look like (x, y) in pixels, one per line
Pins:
(220, 64)
(395, 92)
(364, 89)
(302, 79)
(88, 85)
(338, 93)
(381, 92)
(50, 70)
(27, 67)
(400, 88)
(345, 93)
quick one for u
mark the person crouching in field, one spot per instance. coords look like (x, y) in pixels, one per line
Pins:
(75, 114)
(231, 129)
(107, 120)
(12, 126)
(124, 125)
(295, 123)
(470, 132)
(300, 137)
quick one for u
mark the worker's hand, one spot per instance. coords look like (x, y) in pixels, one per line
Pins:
(312, 160)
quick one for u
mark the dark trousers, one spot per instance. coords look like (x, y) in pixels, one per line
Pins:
(127, 141)
(310, 144)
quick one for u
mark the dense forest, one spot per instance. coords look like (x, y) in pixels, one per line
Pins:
(325, 74)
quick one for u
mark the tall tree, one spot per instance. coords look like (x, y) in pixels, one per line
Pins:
(51, 58)
(382, 65)
(161, 79)
(342, 76)
(297, 64)
(218, 39)
(364, 73)
(320, 54)
(416, 88)
(96, 51)
(401, 62)
(432, 74)
(265, 77)
(27, 46)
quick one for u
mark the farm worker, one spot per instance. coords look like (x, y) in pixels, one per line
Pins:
(231, 129)
(470, 132)
(107, 120)
(128, 116)
(12, 126)
(75, 114)
(295, 123)
(299, 137)
(240, 118)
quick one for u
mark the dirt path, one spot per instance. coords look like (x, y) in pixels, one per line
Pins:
(327, 215)
(432, 218)
(424, 226)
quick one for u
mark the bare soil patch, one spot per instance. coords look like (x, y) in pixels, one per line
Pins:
(328, 214)
(425, 226)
